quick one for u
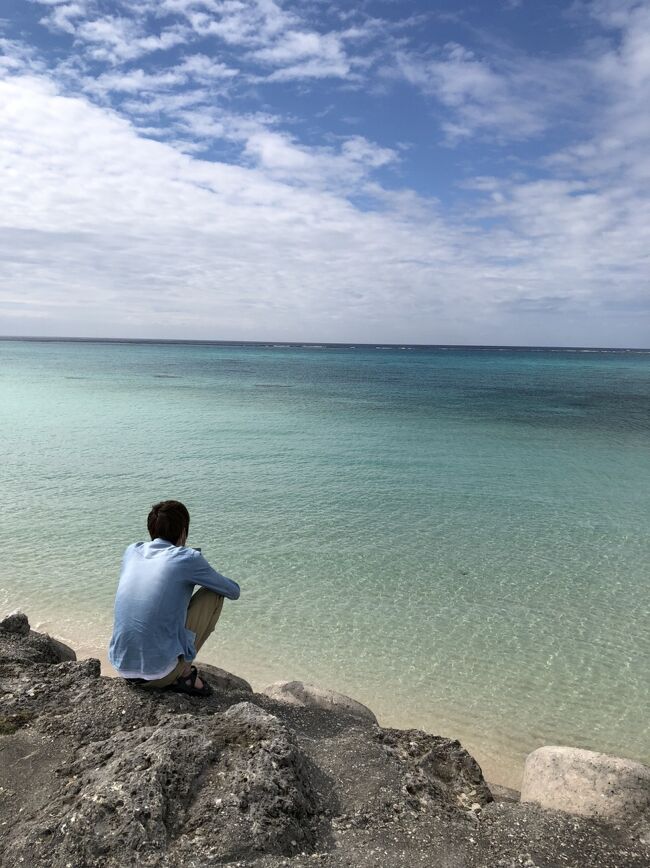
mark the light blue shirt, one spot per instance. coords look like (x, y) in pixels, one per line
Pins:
(156, 584)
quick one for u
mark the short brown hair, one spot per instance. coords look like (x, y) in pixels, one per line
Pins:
(168, 520)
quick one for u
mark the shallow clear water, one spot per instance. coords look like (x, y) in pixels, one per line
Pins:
(456, 537)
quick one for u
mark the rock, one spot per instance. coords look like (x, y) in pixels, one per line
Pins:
(60, 650)
(310, 695)
(22, 645)
(123, 801)
(436, 769)
(222, 680)
(268, 778)
(98, 773)
(504, 794)
(16, 623)
(588, 784)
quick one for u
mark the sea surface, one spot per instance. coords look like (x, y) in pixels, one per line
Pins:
(457, 537)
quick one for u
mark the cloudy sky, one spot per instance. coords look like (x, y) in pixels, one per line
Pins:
(384, 170)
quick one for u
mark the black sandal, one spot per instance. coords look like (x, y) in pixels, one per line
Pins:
(187, 684)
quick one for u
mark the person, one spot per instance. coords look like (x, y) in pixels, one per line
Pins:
(159, 624)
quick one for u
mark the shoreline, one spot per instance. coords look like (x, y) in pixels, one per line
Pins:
(499, 752)
(101, 774)
(499, 771)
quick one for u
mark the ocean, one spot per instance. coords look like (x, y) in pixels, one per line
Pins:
(457, 537)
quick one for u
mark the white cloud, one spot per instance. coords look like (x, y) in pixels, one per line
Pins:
(270, 35)
(171, 104)
(65, 16)
(111, 38)
(285, 159)
(238, 22)
(111, 233)
(17, 57)
(104, 230)
(196, 68)
(134, 81)
(508, 98)
(205, 69)
(274, 37)
(117, 39)
(622, 74)
(312, 69)
(300, 45)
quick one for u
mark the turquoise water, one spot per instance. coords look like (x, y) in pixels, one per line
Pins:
(456, 537)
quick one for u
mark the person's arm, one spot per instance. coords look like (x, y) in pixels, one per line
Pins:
(203, 574)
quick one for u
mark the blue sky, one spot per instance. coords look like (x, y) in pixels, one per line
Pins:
(379, 171)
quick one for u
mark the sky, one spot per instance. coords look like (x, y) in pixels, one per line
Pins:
(377, 171)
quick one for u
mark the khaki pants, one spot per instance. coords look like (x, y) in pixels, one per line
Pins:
(202, 616)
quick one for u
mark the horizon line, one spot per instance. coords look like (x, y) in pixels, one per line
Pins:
(279, 343)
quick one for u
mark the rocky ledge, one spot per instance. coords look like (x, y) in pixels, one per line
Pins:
(94, 772)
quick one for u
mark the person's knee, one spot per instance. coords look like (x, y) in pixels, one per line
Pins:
(204, 609)
(206, 597)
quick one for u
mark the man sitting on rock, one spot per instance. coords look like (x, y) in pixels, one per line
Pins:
(159, 626)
